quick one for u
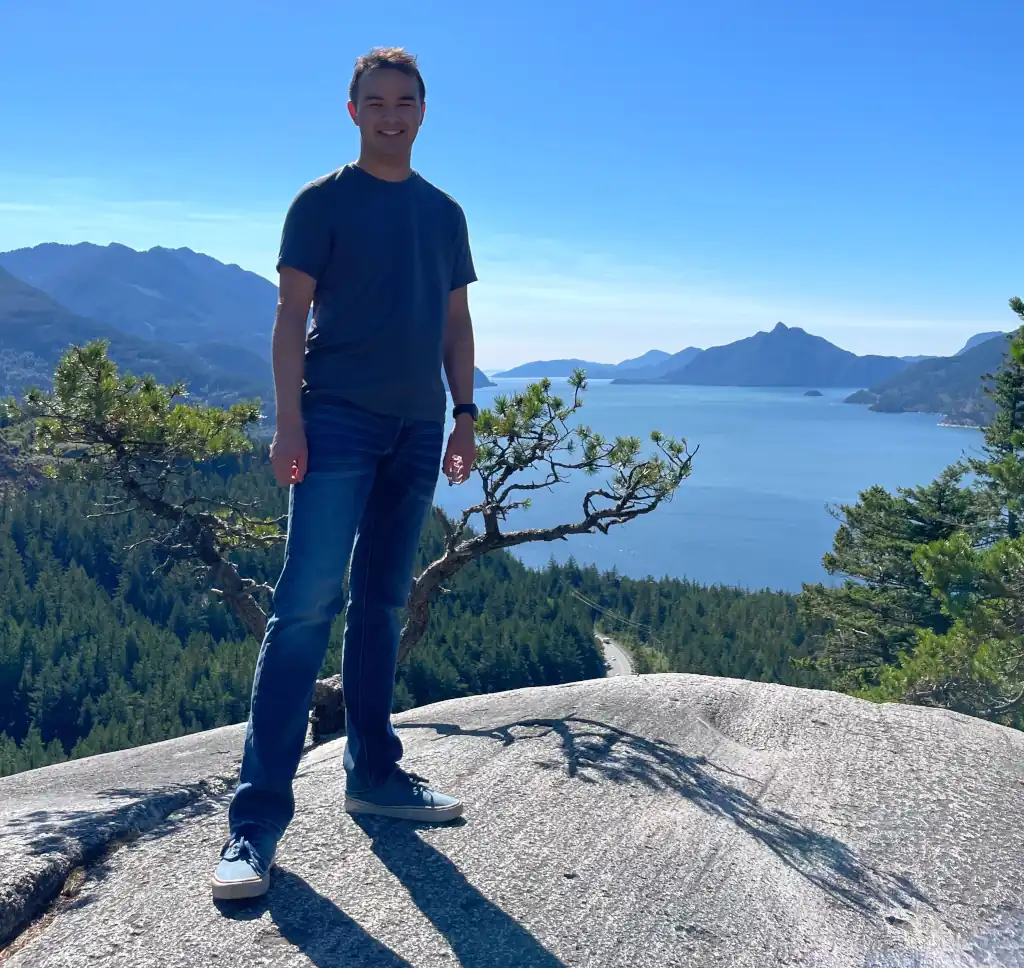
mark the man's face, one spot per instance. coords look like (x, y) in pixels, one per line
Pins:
(389, 111)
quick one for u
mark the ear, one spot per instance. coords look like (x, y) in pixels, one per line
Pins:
(423, 111)
(352, 112)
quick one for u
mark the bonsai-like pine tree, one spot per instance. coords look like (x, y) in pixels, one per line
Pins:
(141, 437)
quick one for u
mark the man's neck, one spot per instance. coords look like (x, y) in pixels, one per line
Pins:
(386, 169)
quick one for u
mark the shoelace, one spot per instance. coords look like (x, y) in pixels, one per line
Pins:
(241, 849)
(415, 779)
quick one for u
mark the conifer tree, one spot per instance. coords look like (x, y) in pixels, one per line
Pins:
(932, 609)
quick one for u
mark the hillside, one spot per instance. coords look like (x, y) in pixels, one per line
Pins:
(784, 357)
(951, 385)
(35, 330)
(638, 822)
(175, 295)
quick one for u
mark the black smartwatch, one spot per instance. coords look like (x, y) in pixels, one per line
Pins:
(470, 408)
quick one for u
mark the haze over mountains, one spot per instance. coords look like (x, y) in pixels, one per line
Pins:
(175, 313)
(175, 295)
(35, 330)
(652, 365)
(182, 315)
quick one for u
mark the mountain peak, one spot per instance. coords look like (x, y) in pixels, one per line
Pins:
(780, 327)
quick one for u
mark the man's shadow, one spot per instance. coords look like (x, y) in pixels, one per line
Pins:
(479, 932)
(303, 918)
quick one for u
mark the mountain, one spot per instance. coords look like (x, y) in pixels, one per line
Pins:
(977, 340)
(35, 330)
(175, 295)
(785, 357)
(948, 385)
(646, 365)
(654, 373)
(556, 368)
(650, 359)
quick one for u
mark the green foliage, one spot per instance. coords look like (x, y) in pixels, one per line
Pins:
(529, 442)
(711, 631)
(101, 648)
(143, 439)
(863, 625)
(932, 609)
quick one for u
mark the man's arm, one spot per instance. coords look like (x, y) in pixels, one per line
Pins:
(294, 297)
(288, 453)
(459, 351)
(458, 365)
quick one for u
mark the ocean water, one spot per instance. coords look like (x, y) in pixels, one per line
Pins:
(754, 512)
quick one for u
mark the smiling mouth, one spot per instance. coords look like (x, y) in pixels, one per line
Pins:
(390, 133)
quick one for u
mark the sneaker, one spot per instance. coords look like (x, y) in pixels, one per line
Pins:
(405, 796)
(244, 868)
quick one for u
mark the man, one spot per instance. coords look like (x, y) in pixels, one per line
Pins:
(383, 257)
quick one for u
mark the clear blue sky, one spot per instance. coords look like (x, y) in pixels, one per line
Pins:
(651, 174)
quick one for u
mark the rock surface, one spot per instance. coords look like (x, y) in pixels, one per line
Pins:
(55, 820)
(635, 821)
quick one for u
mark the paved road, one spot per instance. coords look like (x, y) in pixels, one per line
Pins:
(616, 657)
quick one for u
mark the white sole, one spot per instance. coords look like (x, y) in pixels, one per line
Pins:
(240, 890)
(424, 814)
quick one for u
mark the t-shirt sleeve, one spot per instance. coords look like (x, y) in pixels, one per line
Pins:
(463, 272)
(306, 238)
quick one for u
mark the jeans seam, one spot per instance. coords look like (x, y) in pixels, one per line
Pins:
(365, 592)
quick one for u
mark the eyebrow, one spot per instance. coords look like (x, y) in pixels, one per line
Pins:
(378, 97)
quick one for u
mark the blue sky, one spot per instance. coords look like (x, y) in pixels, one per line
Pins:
(651, 174)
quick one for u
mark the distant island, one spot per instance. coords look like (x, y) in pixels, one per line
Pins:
(814, 393)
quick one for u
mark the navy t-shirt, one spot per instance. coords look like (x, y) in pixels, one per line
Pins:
(385, 256)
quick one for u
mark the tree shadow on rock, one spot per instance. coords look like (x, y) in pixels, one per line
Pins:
(596, 752)
(302, 918)
(479, 932)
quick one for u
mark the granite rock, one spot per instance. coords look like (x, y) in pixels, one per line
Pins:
(636, 821)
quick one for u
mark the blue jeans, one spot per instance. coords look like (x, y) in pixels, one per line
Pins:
(370, 481)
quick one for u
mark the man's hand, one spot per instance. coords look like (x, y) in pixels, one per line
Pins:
(288, 454)
(460, 456)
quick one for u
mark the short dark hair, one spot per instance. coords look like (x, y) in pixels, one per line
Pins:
(396, 58)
